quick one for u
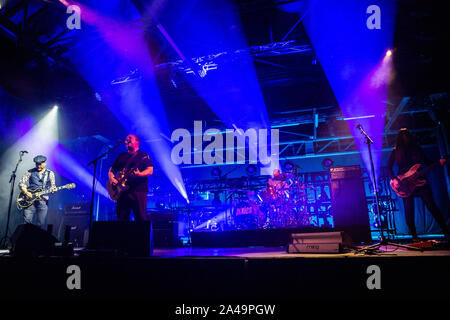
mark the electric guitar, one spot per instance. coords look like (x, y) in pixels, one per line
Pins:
(115, 191)
(24, 202)
(411, 179)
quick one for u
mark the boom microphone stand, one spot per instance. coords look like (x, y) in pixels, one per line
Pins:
(384, 241)
(95, 162)
(5, 240)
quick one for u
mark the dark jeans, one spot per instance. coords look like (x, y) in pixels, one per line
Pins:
(136, 201)
(39, 208)
(426, 195)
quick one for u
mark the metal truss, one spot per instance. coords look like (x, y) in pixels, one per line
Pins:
(317, 132)
(202, 65)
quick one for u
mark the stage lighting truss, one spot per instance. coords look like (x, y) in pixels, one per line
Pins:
(203, 69)
(201, 65)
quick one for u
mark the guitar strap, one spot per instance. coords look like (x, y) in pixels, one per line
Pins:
(45, 178)
(130, 160)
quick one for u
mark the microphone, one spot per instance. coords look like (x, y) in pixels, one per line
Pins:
(120, 141)
(359, 126)
(24, 151)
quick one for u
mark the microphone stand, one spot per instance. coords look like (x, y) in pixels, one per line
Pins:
(384, 241)
(95, 162)
(4, 241)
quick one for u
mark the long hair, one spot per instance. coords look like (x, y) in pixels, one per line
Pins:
(403, 147)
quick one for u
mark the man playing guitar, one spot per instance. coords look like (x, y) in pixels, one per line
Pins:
(38, 177)
(406, 154)
(138, 166)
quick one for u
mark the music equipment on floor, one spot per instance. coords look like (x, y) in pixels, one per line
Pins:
(29, 240)
(115, 191)
(125, 238)
(410, 180)
(430, 245)
(75, 224)
(348, 202)
(165, 228)
(24, 202)
(319, 242)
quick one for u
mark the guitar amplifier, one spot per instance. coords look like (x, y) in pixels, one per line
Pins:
(77, 208)
(76, 215)
(348, 172)
(348, 202)
(165, 228)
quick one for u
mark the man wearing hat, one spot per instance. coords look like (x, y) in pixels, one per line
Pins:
(38, 177)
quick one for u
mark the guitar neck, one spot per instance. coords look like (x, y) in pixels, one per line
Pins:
(49, 191)
(425, 171)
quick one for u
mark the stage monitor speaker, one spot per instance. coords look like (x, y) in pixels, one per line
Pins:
(30, 240)
(348, 201)
(129, 238)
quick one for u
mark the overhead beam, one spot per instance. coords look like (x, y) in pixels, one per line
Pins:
(397, 112)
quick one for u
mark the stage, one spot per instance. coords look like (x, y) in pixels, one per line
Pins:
(238, 275)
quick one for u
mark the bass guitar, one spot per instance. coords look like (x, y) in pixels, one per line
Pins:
(115, 191)
(411, 179)
(24, 202)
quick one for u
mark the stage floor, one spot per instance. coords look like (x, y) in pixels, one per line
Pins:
(231, 275)
(280, 252)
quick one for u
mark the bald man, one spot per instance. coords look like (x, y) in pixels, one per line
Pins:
(135, 198)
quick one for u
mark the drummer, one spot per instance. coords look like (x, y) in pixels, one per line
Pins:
(279, 181)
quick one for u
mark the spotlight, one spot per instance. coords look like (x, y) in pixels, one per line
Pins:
(389, 53)
(327, 162)
(55, 107)
(289, 165)
(216, 172)
(251, 170)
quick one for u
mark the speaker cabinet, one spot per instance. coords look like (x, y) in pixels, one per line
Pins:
(76, 216)
(129, 238)
(79, 229)
(348, 201)
(30, 240)
(165, 228)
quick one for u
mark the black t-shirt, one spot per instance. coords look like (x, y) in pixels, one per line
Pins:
(406, 160)
(141, 161)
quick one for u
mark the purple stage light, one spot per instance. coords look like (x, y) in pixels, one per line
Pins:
(65, 164)
(139, 108)
(351, 41)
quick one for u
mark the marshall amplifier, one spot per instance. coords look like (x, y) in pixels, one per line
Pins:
(76, 222)
(77, 208)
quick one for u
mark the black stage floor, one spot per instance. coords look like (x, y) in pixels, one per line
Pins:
(219, 275)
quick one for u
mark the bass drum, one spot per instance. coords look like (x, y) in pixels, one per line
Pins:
(244, 218)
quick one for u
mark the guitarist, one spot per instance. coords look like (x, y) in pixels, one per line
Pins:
(407, 153)
(38, 177)
(135, 198)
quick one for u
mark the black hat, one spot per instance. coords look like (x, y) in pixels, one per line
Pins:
(40, 159)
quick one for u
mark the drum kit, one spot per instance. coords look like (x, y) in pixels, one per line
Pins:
(282, 204)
